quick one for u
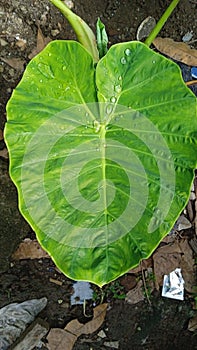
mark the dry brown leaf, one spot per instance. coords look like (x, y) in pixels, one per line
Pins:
(77, 328)
(136, 294)
(29, 249)
(187, 266)
(177, 50)
(144, 264)
(59, 339)
(15, 63)
(165, 259)
(192, 326)
(4, 153)
(42, 41)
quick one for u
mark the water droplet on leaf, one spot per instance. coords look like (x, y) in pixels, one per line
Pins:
(96, 125)
(123, 60)
(46, 70)
(109, 109)
(127, 52)
(117, 88)
(113, 99)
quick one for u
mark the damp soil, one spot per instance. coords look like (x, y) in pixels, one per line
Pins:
(159, 325)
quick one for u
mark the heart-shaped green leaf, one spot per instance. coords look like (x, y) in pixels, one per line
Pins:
(103, 156)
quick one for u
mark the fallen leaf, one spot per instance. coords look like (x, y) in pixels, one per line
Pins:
(165, 260)
(4, 153)
(58, 338)
(193, 244)
(144, 264)
(29, 249)
(15, 63)
(128, 281)
(187, 266)
(77, 328)
(192, 325)
(136, 294)
(42, 41)
(177, 50)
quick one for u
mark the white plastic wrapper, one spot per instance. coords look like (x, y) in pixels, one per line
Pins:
(82, 291)
(173, 285)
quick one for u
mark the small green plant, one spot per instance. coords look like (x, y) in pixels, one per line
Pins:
(113, 290)
(102, 151)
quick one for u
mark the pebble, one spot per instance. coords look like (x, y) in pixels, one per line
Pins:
(183, 223)
(101, 334)
(112, 344)
(187, 37)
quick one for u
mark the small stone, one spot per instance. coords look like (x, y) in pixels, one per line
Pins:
(69, 3)
(3, 42)
(101, 334)
(187, 37)
(54, 32)
(112, 344)
(192, 196)
(183, 223)
(21, 43)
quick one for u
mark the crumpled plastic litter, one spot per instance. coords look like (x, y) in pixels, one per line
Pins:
(173, 285)
(194, 72)
(82, 292)
(15, 317)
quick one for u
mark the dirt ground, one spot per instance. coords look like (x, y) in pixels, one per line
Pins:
(159, 324)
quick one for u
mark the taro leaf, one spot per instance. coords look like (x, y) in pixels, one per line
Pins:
(102, 157)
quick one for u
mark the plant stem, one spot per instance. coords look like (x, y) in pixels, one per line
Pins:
(161, 22)
(83, 32)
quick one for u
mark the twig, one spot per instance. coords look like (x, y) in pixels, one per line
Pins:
(144, 283)
(191, 82)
